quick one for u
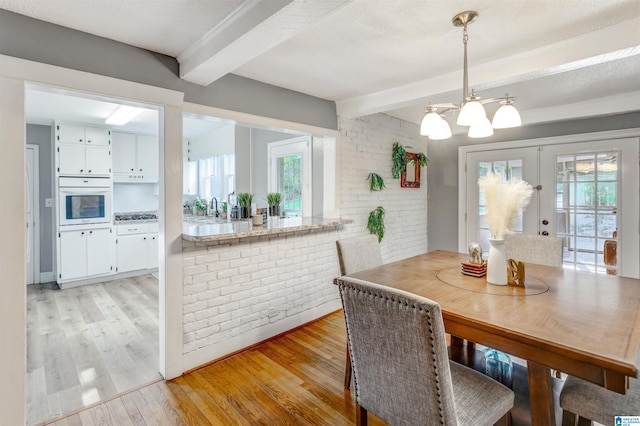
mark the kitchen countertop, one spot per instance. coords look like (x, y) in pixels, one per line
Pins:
(125, 222)
(238, 230)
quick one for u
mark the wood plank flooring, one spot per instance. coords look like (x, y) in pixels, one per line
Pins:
(89, 343)
(293, 379)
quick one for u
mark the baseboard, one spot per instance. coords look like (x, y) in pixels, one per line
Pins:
(204, 356)
(47, 277)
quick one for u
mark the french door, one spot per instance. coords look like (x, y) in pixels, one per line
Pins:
(587, 193)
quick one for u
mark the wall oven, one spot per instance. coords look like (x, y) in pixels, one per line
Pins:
(84, 201)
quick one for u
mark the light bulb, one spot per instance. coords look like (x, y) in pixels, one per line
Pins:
(506, 116)
(472, 112)
(481, 129)
(442, 130)
(429, 122)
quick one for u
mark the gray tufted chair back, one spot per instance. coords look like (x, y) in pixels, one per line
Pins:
(400, 363)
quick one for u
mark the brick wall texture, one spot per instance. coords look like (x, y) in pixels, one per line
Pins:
(235, 288)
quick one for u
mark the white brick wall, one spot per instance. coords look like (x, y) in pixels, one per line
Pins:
(365, 147)
(239, 293)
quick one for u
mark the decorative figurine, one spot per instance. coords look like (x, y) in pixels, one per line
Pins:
(515, 273)
(475, 253)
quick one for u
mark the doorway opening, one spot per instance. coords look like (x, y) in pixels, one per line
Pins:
(92, 336)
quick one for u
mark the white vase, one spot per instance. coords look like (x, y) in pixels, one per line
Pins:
(497, 263)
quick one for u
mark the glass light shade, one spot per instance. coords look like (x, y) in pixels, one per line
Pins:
(481, 129)
(506, 116)
(471, 113)
(429, 123)
(442, 130)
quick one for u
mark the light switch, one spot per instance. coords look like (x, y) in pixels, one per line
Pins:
(48, 202)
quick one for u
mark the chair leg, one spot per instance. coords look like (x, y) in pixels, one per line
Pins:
(347, 370)
(504, 420)
(568, 418)
(583, 421)
(361, 416)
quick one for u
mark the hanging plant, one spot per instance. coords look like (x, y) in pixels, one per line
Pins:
(376, 183)
(422, 159)
(399, 160)
(375, 225)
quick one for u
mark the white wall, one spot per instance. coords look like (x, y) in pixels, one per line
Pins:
(365, 147)
(135, 197)
(238, 294)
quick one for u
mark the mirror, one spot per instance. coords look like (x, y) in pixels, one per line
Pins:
(410, 177)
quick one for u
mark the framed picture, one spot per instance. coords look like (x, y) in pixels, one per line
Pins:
(410, 177)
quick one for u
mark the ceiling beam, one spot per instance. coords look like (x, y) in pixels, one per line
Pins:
(608, 44)
(252, 29)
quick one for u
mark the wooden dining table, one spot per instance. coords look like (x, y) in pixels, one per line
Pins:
(583, 324)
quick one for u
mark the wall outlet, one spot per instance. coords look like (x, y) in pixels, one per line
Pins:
(48, 202)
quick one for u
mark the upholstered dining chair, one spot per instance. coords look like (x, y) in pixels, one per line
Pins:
(402, 372)
(357, 254)
(534, 249)
(590, 402)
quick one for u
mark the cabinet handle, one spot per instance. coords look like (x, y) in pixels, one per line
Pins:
(89, 171)
(131, 169)
(90, 232)
(81, 170)
(140, 169)
(89, 141)
(79, 140)
(82, 233)
(145, 238)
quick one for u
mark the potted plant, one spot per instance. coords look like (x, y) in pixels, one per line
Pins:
(376, 182)
(201, 206)
(274, 199)
(244, 201)
(375, 224)
(224, 210)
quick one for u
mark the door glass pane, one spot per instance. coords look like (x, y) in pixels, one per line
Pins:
(290, 184)
(586, 205)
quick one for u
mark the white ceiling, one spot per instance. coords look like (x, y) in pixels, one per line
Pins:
(560, 58)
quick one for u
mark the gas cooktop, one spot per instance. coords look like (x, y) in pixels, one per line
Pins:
(135, 216)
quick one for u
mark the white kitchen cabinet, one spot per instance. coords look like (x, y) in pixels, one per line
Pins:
(83, 151)
(136, 247)
(77, 134)
(135, 157)
(84, 253)
(124, 152)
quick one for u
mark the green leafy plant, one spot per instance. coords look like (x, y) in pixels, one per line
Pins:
(375, 224)
(399, 160)
(274, 199)
(224, 207)
(422, 159)
(376, 183)
(201, 204)
(244, 199)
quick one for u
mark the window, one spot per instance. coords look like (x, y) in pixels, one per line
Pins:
(290, 174)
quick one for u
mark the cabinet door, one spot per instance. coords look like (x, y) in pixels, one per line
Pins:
(148, 154)
(98, 160)
(73, 255)
(152, 251)
(131, 252)
(98, 251)
(69, 133)
(71, 159)
(97, 136)
(124, 152)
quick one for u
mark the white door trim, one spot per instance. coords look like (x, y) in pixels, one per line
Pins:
(35, 211)
(15, 75)
(462, 157)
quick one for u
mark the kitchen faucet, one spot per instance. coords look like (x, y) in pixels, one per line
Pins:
(216, 209)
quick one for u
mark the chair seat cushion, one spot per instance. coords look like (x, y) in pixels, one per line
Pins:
(479, 399)
(597, 403)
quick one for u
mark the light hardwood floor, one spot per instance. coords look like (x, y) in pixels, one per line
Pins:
(89, 343)
(293, 379)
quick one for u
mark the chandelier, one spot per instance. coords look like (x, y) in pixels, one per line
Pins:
(472, 113)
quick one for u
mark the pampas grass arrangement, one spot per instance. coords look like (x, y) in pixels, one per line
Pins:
(504, 200)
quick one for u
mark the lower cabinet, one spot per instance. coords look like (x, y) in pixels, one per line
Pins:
(136, 247)
(84, 253)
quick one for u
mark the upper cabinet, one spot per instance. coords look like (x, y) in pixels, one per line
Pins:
(135, 157)
(82, 150)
